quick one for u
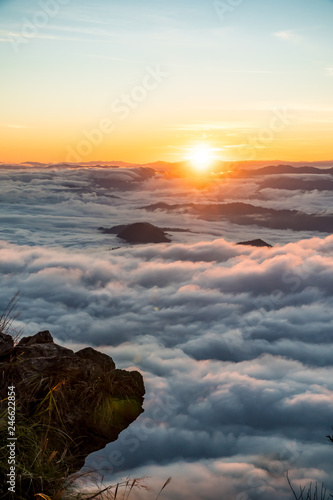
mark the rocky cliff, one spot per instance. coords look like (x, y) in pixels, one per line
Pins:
(67, 404)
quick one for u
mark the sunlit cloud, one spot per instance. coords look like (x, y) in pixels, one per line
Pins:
(213, 126)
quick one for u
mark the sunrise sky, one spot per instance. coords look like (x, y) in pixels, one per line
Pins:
(123, 231)
(146, 81)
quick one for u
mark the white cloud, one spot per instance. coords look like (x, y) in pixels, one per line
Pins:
(234, 342)
(288, 35)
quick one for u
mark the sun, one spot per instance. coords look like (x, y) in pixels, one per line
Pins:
(201, 157)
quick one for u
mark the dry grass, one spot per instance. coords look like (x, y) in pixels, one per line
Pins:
(312, 492)
(120, 491)
(8, 318)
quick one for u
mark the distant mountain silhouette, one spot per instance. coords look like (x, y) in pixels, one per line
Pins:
(246, 214)
(319, 183)
(143, 232)
(286, 169)
(256, 243)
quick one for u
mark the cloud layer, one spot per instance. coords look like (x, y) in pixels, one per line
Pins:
(234, 342)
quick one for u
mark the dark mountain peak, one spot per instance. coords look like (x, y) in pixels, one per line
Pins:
(256, 243)
(143, 232)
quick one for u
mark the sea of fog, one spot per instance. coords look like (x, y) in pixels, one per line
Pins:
(234, 342)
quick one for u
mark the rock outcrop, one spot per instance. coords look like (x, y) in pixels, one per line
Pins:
(76, 403)
(256, 243)
(143, 232)
(120, 228)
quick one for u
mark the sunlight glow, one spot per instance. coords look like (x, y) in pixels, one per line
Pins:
(201, 157)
